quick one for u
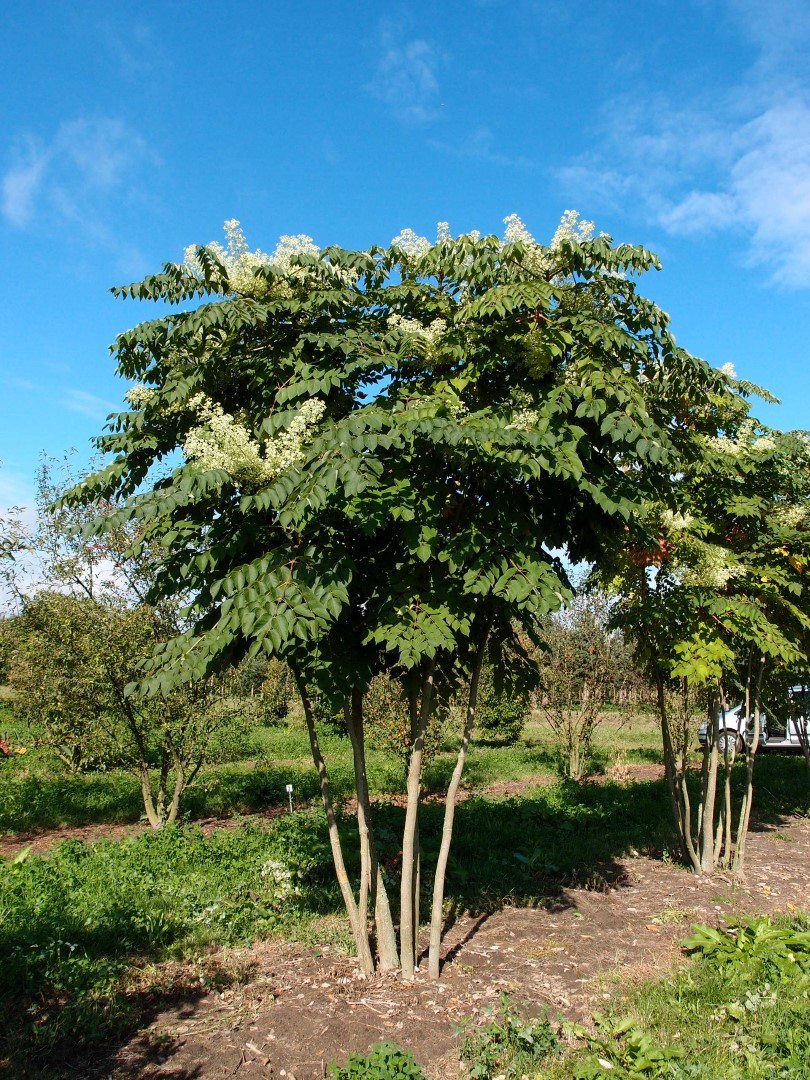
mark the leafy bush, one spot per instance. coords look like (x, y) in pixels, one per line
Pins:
(778, 948)
(508, 1045)
(622, 1050)
(73, 922)
(385, 1061)
(387, 721)
(501, 710)
(740, 1009)
(275, 691)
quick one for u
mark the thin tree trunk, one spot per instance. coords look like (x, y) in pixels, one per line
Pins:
(179, 787)
(450, 811)
(750, 756)
(417, 889)
(359, 931)
(148, 801)
(670, 764)
(163, 783)
(707, 823)
(353, 715)
(386, 935)
(687, 833)
(369, 862)
(407, 944)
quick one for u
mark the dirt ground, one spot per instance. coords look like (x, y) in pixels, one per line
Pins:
(292, 1011)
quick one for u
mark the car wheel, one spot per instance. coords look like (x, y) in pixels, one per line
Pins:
(729, 742)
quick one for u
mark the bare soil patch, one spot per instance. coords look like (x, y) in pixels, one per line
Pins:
(293, 1010)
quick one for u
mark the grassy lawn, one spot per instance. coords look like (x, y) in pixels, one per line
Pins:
(36, 792)
(82, 924)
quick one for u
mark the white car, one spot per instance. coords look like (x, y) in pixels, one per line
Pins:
(786, 733)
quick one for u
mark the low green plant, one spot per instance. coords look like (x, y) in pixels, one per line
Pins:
(777, 947)
(621, 1049)
(385, 1061)
(501, 711)
(509, 1044)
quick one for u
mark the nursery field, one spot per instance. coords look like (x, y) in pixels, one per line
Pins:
(219, 947)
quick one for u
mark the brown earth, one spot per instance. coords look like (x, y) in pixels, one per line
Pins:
(286, 1011)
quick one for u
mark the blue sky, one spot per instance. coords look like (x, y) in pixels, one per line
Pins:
(130, 130)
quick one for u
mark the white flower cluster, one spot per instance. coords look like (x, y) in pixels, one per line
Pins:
(287, 447)
(710, 566)
(457, 409)
(221, 442)
(241, 263)
(411, 244)
(535, 259)
(425, 340)
(139, 395)
(516, 232)
(280, 878)
(573, 228)
(523, 420)
(673, 522)
(728, 370)
(792, 516)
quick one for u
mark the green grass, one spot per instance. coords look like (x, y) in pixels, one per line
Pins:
(78, 924)
(81, 925)
(36, 793)
(742, 1016)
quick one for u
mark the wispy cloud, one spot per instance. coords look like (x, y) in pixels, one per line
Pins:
(86, 159)
(740, 164)
(481, 145)
(406, 80)
(15, 490)
(81, 401)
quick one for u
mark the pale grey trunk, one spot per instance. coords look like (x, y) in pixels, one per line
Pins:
(711, 760)
(671, 769)
(407, 940)
(152, 815)
(750, 756)
(450, 811)
(359, 931)
(371, 878)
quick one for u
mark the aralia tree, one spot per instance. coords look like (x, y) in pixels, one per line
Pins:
(718, 607)
(379, 452)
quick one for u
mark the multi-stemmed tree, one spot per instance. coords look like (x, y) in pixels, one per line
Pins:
(81, 627)
(362, 462)
(718, 606)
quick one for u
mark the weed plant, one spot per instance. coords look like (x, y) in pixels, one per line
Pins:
(384, 1061)
(739, 1010)
(75, 923)
(509, 1044)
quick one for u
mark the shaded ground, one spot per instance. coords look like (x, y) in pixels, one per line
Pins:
(40, 841)
(295, 1010)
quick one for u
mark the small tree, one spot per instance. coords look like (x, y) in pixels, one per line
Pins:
(716, 604)
(379, 450)
(76, 646)
(581, 661)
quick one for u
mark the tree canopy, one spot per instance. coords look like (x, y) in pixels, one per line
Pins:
(383, 452)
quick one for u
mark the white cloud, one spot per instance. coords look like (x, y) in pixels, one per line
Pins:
(86, 159)
(406, 80)
(700, 212)
(771, 184)
(21, 183)
(735, 161)
(481, 146)
(764, 191)
(81, 401)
